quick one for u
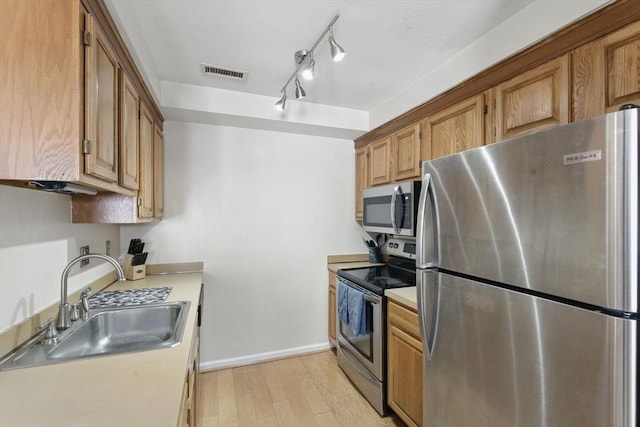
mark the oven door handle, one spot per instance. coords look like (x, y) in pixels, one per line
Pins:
(372, 300)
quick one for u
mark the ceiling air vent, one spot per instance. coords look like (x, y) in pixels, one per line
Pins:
(213, 70)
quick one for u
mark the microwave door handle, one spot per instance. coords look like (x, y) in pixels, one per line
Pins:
(394, 199)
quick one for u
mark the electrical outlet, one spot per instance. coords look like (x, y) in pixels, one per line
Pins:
(108, 247)
(83, 251)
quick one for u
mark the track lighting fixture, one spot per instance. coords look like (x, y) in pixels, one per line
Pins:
(300, 93)
(305, 64)
(307, 69)
(281, 102)
(337, 52)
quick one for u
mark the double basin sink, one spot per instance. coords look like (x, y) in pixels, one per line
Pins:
(108, 331)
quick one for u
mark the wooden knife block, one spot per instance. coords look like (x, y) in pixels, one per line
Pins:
(133, 272)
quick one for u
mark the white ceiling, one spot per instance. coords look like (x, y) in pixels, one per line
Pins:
(390, 44)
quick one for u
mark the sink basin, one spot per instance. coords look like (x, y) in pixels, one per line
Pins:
(123, 330)
(109, 332)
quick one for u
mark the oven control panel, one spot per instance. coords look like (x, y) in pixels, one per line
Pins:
(405, 248)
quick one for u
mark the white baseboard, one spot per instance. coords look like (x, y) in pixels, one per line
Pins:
(261, 357)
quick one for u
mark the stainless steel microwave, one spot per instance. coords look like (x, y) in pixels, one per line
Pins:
(391, 209)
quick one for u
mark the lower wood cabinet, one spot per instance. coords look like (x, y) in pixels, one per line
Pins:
(332, 308)
(404, 363)
(190, 395)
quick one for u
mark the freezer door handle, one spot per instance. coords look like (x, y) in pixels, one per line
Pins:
(428, 288)
(427, 230)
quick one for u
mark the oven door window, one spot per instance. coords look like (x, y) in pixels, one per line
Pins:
(363, 344)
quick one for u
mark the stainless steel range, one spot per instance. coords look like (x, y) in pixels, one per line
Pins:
(361, 318)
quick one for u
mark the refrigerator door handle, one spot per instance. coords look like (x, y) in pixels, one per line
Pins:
(394, 200)
(424, 260)
(428, 310)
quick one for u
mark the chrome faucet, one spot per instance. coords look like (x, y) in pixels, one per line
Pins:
(64, 321)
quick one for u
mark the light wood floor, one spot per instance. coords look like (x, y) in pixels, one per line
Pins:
(309, 390)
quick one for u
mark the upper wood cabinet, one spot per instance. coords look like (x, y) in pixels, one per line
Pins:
(101, 104)
(380, 162)
(158, 173)
(405, 160)
(129, 134)
(455, 129)
(41, 113)
(145, 207)
(362, 178)
(533, 100)
(606, 73)
(70, 95)
(113, 208)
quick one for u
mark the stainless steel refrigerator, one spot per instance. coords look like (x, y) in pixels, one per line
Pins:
(528, 279)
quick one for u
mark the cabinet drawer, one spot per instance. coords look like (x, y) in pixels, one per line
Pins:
(404, 319)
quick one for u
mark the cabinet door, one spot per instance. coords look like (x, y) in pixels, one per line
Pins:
(101, 105)
(194, 384)
(456, 128)
(606, 73)
(533, 100)
(406, 153)
(404, 365)
(145, 208)
(380, 162)
(158, 173)
(362, 178)
(129, 133)
(40, 104)
(332, 307)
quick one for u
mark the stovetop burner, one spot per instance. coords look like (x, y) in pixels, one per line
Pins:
(399, 273)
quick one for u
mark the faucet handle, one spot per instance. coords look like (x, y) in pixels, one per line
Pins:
(84, 300)
(51, 334)
(75, 312)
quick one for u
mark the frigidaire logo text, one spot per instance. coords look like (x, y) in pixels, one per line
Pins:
(587, 156)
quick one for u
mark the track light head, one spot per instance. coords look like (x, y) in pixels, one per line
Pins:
(281, 102)
(307, 70)
(337, 52)
(300, 93)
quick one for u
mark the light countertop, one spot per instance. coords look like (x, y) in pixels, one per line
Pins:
(342, 262)
(404, 296)
(134, 389)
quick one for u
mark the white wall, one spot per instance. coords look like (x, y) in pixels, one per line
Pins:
(37, 240)
(262, 210)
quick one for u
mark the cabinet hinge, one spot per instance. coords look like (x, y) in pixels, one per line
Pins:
(86, 146)
(494, 104)
(86, 38)
(485, 109)
(139, 202)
